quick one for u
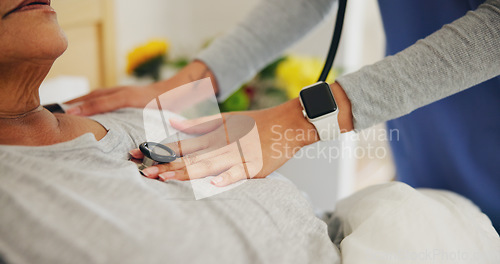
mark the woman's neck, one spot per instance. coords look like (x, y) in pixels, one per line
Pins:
(19, 83)
(23, 123)
(14, 116)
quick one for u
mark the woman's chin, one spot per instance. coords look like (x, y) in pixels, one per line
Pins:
(50, 46)
(40, 38)
(53, 49)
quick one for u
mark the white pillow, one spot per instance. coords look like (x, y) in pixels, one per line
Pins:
(63, 88)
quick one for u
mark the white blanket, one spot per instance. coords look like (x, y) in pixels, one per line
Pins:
(394, 223)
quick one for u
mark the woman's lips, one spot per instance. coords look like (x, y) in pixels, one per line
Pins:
(34, 6)
(42, 5)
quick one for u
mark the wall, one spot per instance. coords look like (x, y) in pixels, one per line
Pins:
(189, 23)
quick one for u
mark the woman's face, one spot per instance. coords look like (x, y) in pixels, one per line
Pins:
(29, 32)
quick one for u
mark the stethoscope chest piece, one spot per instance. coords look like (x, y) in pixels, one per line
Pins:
(154, 154)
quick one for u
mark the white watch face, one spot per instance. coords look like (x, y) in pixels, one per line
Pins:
(318, 100)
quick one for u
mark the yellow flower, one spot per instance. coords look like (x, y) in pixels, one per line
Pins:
(297, 72)
(146, 52)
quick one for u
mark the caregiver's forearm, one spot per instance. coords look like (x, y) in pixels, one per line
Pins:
(271, 27)
(458, 56)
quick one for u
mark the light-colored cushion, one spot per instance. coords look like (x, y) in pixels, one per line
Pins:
(394, 223)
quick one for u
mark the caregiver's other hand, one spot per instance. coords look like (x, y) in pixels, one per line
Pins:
(229, 150)
(106, 100)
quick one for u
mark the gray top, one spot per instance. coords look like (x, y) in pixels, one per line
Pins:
(82, 202)
(456, 57)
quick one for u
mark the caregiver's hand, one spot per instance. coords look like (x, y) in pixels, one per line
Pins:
(233, 150)
(106, 100)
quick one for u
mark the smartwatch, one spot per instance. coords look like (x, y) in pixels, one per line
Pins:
(321, 110)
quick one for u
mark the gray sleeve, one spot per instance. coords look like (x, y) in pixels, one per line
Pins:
(456, 57)
(269, 29)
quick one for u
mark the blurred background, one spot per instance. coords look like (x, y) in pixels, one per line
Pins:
(110, 40)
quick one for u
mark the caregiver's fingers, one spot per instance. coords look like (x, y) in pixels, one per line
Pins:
(181, 148)
(92, 95)
(242, 171)
(101, 104)
(196, 157)
(203, 168)
(189, 146)
(136, 154)
(199, 125)
(232, 175)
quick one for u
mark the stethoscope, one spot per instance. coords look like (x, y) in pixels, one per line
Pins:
(156, 153)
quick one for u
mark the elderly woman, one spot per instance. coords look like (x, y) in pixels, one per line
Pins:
(68, 194)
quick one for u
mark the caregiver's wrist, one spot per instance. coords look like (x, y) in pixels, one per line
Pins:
(194, 71)
(345, 118)
(199, 70)
(292, 113)
(304, 132)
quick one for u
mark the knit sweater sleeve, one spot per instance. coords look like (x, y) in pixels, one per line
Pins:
(460, 55)
(270, 28)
